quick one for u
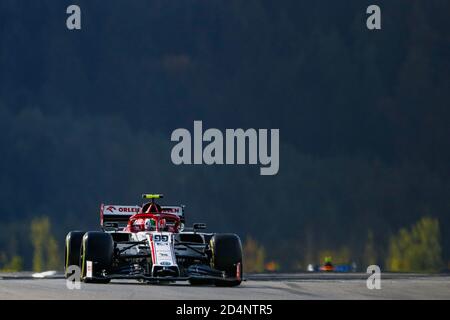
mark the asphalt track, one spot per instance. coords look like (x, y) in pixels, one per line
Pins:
(261, 286)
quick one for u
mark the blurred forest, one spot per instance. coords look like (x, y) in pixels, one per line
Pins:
(86, 118)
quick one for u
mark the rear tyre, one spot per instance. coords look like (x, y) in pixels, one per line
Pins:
(72, 250)
(97, 247)
(227, 256)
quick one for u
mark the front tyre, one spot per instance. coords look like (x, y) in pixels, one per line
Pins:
(97, 247)
(72, 250)
(227, 256)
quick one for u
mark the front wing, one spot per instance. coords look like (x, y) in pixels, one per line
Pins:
(194, 272)
(163, 279)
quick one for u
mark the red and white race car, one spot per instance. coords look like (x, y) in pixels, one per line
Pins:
(150, 243)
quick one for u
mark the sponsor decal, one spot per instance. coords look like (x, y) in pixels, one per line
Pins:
(238, 271)
(88, 269)
(121, 209)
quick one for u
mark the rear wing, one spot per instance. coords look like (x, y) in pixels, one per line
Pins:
(177, 210)
(117, 216)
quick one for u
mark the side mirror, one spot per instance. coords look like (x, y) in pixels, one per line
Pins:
(110, 225)
(199, 226)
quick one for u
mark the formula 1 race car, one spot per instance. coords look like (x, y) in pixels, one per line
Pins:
(151, 244)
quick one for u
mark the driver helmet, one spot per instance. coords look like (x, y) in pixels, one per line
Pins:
(149, 225)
